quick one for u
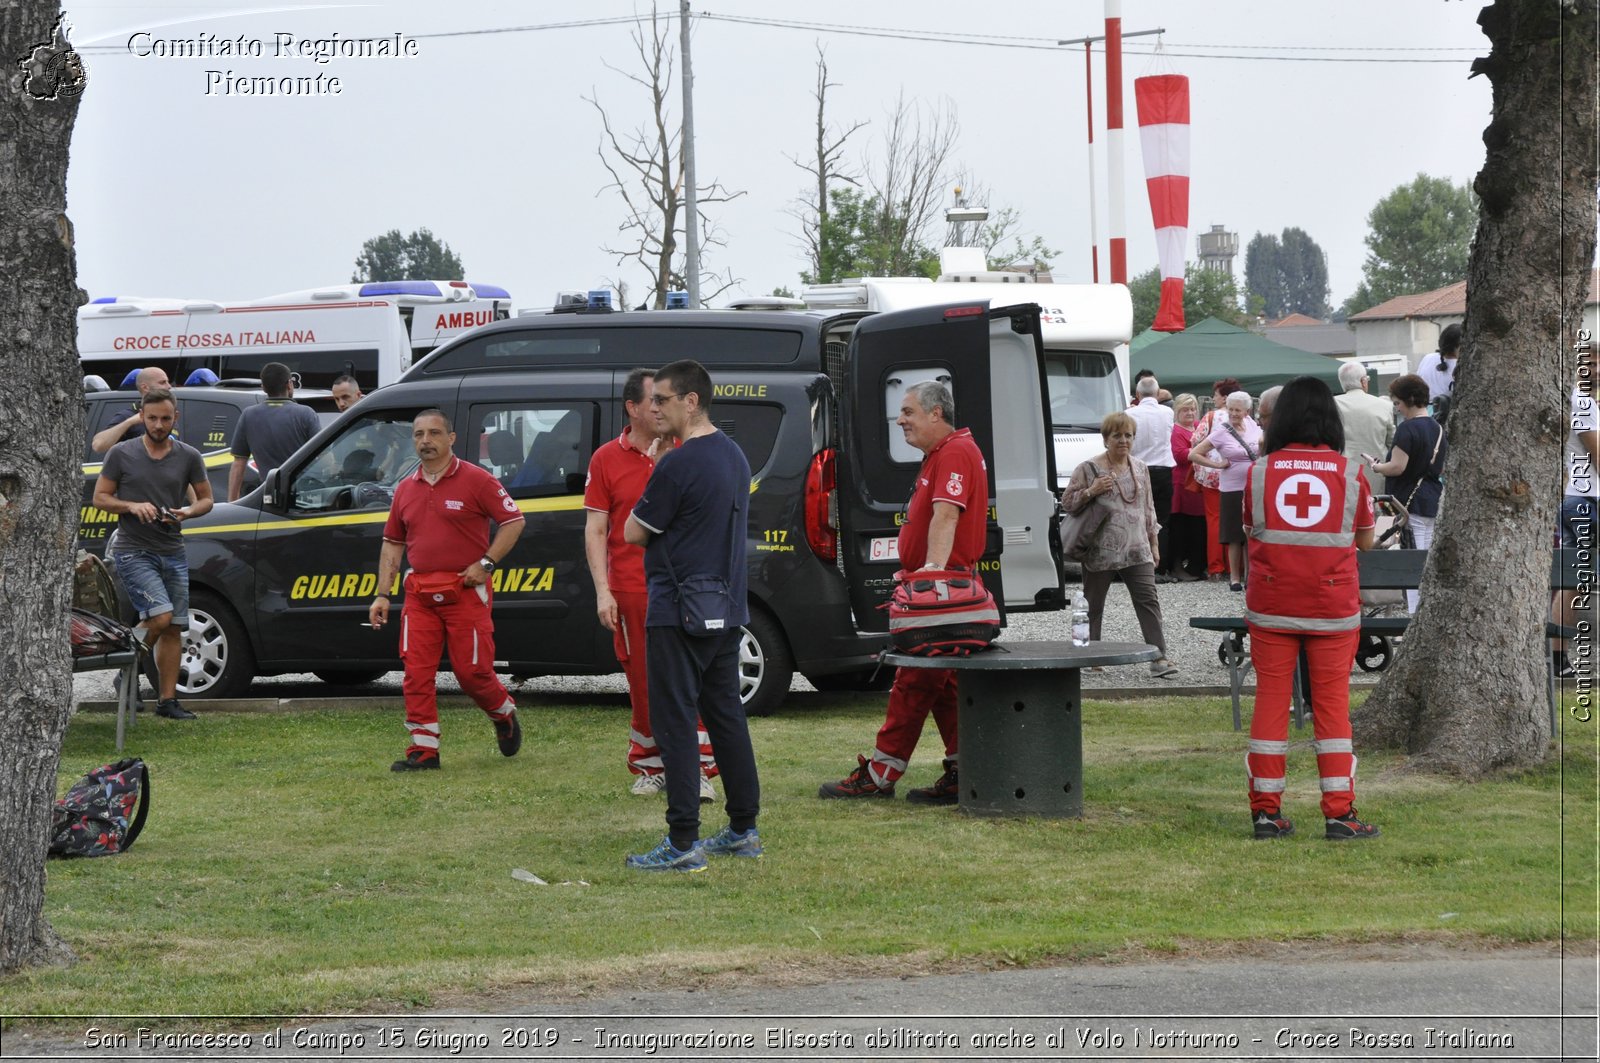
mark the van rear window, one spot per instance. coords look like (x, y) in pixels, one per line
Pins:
(648, 346)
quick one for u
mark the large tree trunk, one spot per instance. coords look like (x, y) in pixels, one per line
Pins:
(41, 436)
(1468, 694)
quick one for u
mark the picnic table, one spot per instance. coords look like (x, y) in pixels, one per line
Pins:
(1021, 722)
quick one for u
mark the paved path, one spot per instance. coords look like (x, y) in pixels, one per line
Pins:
(1364, 1002)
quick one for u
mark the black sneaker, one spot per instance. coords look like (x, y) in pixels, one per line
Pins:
(417, 760)
(508, 733)
(857, 784)
(170, 708)
(1273, 824)
(945, 791)
(1348, 827)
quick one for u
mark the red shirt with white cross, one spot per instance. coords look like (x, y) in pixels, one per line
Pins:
(617, 475)
(444, 526)
(954, 471)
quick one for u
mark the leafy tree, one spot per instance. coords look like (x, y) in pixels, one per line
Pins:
(1467, 697)
(39, 487)
(418, 257)
(863, 240)
(1418, 240)
(1289, 274)
(1206, 293)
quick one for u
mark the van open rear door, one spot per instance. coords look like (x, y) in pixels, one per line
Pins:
(993, 362)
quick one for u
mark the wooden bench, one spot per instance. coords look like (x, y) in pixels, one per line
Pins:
(1379, 570)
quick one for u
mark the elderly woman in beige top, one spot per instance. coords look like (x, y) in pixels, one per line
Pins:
(1125, 543)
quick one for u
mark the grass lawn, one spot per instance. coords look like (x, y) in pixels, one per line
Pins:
(285, 870)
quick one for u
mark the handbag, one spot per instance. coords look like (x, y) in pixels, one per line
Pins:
(1189, 481)
(1079, 529)
(1204, 476)
(435, 588)
(103, 813)
(942, 613)
(705, 602)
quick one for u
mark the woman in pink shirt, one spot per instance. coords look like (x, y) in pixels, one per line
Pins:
(1236, 443)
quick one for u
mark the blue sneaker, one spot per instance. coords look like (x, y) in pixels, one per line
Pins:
(668, 857)
(726, 843)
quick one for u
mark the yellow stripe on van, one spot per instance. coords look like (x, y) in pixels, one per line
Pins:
(272, 522)
(212, 460)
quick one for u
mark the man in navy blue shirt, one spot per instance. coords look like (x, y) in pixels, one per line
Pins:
(692, 521)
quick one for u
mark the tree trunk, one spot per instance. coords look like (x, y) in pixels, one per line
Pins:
(1467, 695)
(41, 437)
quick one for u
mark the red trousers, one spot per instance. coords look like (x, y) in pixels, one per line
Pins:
(916, 693)
(467, 628)
(1216, 555)
(644, 758)
(1331, 656)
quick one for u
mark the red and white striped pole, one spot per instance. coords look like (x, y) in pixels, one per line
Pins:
(1088, 100)
(1116, 185)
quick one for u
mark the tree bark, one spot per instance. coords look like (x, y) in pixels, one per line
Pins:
(1467, 695)
(41, 437)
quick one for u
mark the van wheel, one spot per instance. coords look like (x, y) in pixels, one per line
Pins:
(216, 660)
(349, 677)
(765, 667)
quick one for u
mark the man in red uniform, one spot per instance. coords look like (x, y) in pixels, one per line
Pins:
(617, 475)
(440, 521)
(944, 527)
(1307, 511)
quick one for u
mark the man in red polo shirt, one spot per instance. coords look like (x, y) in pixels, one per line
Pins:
(617, 475)
(440, 521)
(944, 526)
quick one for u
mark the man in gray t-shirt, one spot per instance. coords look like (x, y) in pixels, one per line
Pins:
(145, 481)
(272, 431)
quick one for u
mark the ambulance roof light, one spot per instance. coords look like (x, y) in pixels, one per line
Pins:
(490, 291)
(401, 288)
(103, 299)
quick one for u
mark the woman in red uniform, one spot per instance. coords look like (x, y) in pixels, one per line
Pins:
(1306, 512)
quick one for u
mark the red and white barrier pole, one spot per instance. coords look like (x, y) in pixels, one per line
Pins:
(1116, 184)
(1094, 220)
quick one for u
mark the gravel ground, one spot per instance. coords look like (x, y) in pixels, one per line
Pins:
(1192, 650)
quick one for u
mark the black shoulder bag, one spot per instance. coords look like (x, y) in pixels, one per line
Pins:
(705, 603)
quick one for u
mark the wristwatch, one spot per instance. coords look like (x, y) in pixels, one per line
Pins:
(486, 563)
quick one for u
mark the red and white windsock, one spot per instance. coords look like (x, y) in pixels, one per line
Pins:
(1163, 102)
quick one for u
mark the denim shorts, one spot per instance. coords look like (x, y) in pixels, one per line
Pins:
(156, 583)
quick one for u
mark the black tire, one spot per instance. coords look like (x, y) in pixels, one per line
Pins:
(349, 677)
(765, 666)
(217, 661)
(873, 680)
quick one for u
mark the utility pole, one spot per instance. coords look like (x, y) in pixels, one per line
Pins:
(1088, 78)
(1115, 183)
(691, 206)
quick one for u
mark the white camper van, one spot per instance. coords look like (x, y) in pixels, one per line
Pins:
(1085, 327)
(371, 330)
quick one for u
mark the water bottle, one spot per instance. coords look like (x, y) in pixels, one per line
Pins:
(1080, 620)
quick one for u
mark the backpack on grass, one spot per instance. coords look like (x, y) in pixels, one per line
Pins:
(946, 613)
(97, 816)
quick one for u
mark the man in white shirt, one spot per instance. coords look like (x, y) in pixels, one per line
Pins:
(1368, 421)
(1152, 444)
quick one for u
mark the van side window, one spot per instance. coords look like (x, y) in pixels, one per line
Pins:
(359, 467)
(537, 450)
(99, 417)
(752, 425)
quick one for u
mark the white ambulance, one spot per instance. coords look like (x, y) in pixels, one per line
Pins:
(1085, 328)
(371, 330)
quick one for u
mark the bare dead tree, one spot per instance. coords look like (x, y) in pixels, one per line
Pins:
(911, 177)
(646, 168)
(1468, 694)
(827, 168)
(39, 442)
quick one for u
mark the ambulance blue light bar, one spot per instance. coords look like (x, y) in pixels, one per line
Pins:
(490, 291)
(400, 288)
(103, 299)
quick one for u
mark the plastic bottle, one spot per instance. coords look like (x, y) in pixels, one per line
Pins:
(1080, 620)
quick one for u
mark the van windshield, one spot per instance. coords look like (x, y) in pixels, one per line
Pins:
(1083, 388)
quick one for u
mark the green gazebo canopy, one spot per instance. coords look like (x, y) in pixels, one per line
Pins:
(1207, 351)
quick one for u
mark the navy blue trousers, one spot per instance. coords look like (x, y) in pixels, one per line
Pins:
(694, 677)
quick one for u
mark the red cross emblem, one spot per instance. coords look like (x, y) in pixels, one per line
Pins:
(1303, 500)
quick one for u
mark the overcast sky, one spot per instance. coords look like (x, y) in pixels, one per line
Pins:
(486, 138)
